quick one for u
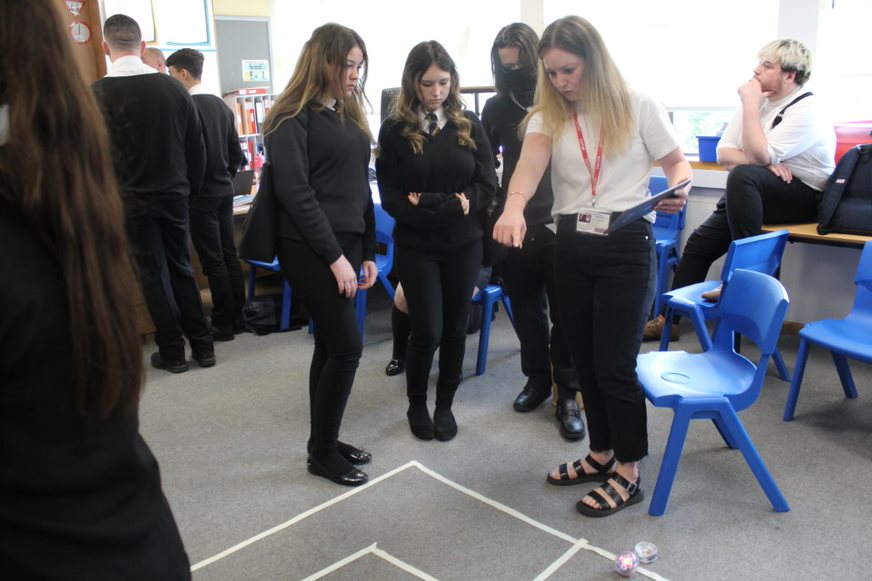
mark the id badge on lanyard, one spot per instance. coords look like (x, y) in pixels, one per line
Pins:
(592, 220)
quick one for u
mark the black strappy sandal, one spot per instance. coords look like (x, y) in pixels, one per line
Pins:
(601, 475)
(603, 492)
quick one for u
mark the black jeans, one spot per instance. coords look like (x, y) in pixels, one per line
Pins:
(212, 235)
(754, 196)
(528, 279)
(605, 285)
(157, 226)
(438, 287)
(338, 346)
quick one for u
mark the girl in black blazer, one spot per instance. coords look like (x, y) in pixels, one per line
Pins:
(318, 143)
(435, 173)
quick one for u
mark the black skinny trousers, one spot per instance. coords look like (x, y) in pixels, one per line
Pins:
(212, 235)
(528, 279)
(338, 345)
(605, 285)
(157, 226)
(438, 287)
(754, 196)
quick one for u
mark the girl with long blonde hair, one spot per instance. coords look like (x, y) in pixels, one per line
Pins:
(601, 139)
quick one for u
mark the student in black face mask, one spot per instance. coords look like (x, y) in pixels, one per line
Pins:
(528, 271)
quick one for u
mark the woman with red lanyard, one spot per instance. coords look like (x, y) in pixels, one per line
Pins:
(601, 139)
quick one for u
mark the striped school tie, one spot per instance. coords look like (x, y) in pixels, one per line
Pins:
(432, 126)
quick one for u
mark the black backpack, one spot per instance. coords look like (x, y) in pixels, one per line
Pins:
(846, 207)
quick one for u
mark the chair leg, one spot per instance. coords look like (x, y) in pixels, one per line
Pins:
(702, 333)
(783, 372)
(752, 457)
(360, 306)
(285, 322)
(667, 328)
(251, 279)
(508, 305)
(724, 431)
(669, 465)
(487, 309)
(845, 375)
(798, 372)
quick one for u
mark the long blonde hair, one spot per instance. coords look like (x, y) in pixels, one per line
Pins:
(319, 75)
(422, 56)
(604, 93)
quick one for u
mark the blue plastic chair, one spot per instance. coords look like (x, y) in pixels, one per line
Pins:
(384, 263)
(285, 320)
(488, 297)
(758, 253)
(667, 234)
(718, 383)
(844, 338)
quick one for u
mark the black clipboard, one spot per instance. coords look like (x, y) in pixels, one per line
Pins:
(646, 207)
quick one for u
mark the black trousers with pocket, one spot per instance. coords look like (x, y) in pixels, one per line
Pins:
(605, 285)
(338, 345)
(528, 279)
(754, 196)
(438, 287)
(212, 235)
(157, 226)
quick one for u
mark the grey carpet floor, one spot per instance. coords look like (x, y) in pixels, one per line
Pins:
(231, 444)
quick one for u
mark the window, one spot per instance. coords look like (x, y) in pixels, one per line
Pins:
(842, 71)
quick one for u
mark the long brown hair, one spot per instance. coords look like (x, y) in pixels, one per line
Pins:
(605, 96)
(57, 170)
(422, 56)
(318, 75)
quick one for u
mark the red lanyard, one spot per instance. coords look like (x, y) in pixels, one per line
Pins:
(595, 172)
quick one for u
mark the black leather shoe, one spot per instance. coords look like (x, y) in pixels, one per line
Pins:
(444, 425)
(159, 362)
(420, 422)
(569, 419)
(354, 454)
(395, 367)
(353, 477)
(204, 359)
(534, 393)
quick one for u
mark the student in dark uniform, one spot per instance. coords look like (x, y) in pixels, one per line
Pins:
(211, 209)
(435, 173)
(159, 160)
(528, 271)
(80, 491)
(318, 145)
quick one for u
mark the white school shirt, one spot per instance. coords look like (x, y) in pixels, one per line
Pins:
(804, 141)
(128, 66)
(441, 119)
(623, 180)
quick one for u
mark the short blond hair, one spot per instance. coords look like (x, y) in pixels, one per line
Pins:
(791, 55)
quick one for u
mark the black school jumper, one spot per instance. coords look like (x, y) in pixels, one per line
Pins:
(320, 165)
(439, 248)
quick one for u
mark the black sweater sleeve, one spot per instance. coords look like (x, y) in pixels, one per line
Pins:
(482, 189)
(289, 153)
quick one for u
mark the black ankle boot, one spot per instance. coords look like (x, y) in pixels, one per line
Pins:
(420, 422)
(444, 424)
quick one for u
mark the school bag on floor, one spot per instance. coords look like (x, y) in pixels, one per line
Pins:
(846, 207)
